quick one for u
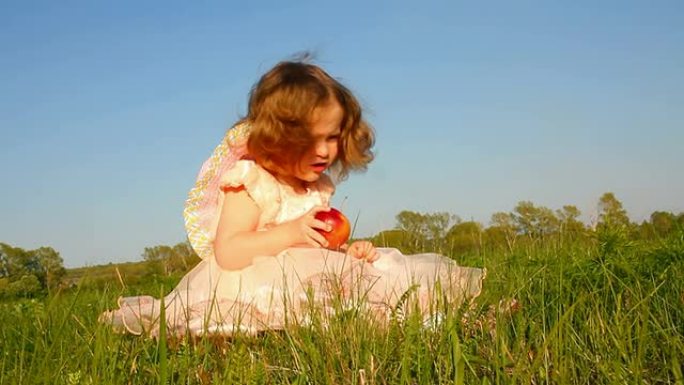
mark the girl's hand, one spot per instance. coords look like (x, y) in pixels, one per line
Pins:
(363, 250)
(303, 229)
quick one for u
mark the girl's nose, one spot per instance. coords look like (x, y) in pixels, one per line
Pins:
(322, 149)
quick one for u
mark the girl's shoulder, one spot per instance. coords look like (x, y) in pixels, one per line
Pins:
(247, 173)
(259, 184)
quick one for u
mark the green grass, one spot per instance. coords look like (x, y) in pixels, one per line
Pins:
(594, 311)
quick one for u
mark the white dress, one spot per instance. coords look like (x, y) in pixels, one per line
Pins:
(279, 289)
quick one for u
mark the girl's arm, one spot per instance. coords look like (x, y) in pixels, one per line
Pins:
(237, 240)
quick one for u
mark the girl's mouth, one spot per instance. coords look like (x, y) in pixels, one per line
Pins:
(319, 167)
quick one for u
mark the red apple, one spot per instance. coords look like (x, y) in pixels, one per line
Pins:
(339, 234)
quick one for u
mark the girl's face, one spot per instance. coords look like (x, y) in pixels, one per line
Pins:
(326, 124)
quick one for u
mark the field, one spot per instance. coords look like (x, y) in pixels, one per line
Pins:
(596, 310)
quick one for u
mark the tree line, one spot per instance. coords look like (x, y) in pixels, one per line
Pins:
(29, 272)
(32, 273)
(36, 272)
(447, 233)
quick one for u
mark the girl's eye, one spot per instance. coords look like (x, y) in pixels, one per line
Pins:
(334, 138)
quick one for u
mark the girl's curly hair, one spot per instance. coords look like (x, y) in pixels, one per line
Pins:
(281, 105)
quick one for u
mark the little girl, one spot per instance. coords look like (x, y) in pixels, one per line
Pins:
(251, 219)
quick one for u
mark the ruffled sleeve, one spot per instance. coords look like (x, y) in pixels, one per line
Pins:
(261, 186)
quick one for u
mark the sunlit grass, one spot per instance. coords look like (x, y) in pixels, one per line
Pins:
(592, 311)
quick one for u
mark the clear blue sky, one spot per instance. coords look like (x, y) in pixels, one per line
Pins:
(107, 109)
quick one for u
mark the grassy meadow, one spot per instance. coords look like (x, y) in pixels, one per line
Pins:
(602, 309)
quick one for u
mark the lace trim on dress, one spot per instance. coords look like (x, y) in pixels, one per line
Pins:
(259, 184)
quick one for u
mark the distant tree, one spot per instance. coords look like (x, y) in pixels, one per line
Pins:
(431, 226)
(184, 257)
(503, 229)
(611, 213)
(396, 238)
(21, 269)
(663, 222)
(166, 260)
(568, 220)
(535, 220)
(410, 221)
(17, 262)
(52, 269)
(424, 228)
(660, 224)
(4, 262)
(464, 236)
(525, 217)
(547, 222)
(158, 258)
(26, 286)
(569, 214)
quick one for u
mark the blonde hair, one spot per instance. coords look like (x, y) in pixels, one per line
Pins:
(281, 105)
